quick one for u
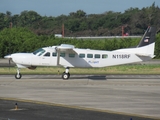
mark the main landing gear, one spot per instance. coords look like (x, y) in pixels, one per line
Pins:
(18, 75)
(66, 74)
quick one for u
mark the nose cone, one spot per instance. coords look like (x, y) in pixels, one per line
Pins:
(7, 57)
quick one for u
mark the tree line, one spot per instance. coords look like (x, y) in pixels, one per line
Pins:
(28, 31)
(78, 23)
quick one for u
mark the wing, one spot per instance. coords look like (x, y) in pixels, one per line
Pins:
(66, 48)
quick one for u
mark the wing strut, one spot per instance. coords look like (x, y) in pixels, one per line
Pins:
(58, 56)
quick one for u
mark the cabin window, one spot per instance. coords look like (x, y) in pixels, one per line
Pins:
(72, 55)
(89, 55)
(47, 54)
(54, 54)
(97, 56)
(62, 54)
(81, 55)
(104, 56)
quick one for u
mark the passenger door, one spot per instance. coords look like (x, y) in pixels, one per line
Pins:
(46, 59)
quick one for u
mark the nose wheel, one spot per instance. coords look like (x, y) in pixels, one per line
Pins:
(18, 75)
(66, 74)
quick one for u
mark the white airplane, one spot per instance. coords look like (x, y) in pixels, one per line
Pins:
(68, 56)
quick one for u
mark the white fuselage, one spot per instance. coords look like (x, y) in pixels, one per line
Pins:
(80, 58)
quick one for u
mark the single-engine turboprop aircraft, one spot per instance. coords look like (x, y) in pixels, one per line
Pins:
(69, 56)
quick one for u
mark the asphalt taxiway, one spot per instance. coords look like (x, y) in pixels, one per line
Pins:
(82, 97)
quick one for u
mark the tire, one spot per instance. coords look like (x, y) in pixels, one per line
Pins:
(65, 76)
(18, 76)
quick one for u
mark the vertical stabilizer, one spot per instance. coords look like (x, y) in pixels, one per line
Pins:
(146, 46)
(148, 37)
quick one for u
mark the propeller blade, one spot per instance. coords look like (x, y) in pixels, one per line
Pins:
(9, 64)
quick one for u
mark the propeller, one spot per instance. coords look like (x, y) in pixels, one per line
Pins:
(9, 63)
(9, 60)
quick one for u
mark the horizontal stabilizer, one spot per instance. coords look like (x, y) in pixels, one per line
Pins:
(146, 55)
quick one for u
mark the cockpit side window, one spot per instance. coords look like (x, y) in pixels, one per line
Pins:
(47, 54)
(39, 52)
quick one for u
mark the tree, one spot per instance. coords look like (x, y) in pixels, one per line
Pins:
(2, 17)
(73, 25)
(78, 14)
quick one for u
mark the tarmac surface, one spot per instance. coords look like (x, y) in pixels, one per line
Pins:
(34, 111)
(111, 97)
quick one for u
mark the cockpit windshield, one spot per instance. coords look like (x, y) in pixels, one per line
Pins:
(39, 52)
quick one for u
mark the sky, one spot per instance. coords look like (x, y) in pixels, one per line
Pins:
(58, 7)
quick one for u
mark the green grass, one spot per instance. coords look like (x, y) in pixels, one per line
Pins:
(123, 69)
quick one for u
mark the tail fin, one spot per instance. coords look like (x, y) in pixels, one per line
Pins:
(146, 45)
(148, 37)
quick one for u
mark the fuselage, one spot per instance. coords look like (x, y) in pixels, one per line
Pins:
(79, 58)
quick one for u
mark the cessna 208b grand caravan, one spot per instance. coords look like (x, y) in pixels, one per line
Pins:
(68, 56)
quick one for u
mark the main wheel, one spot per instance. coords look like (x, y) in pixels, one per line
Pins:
(65, 76)
(18, 76)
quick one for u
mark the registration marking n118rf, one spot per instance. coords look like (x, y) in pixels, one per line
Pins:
(122, 56)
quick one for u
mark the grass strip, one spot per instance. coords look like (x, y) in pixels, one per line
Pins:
(122, 69)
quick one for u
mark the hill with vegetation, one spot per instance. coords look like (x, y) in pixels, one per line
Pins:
(78, 23)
